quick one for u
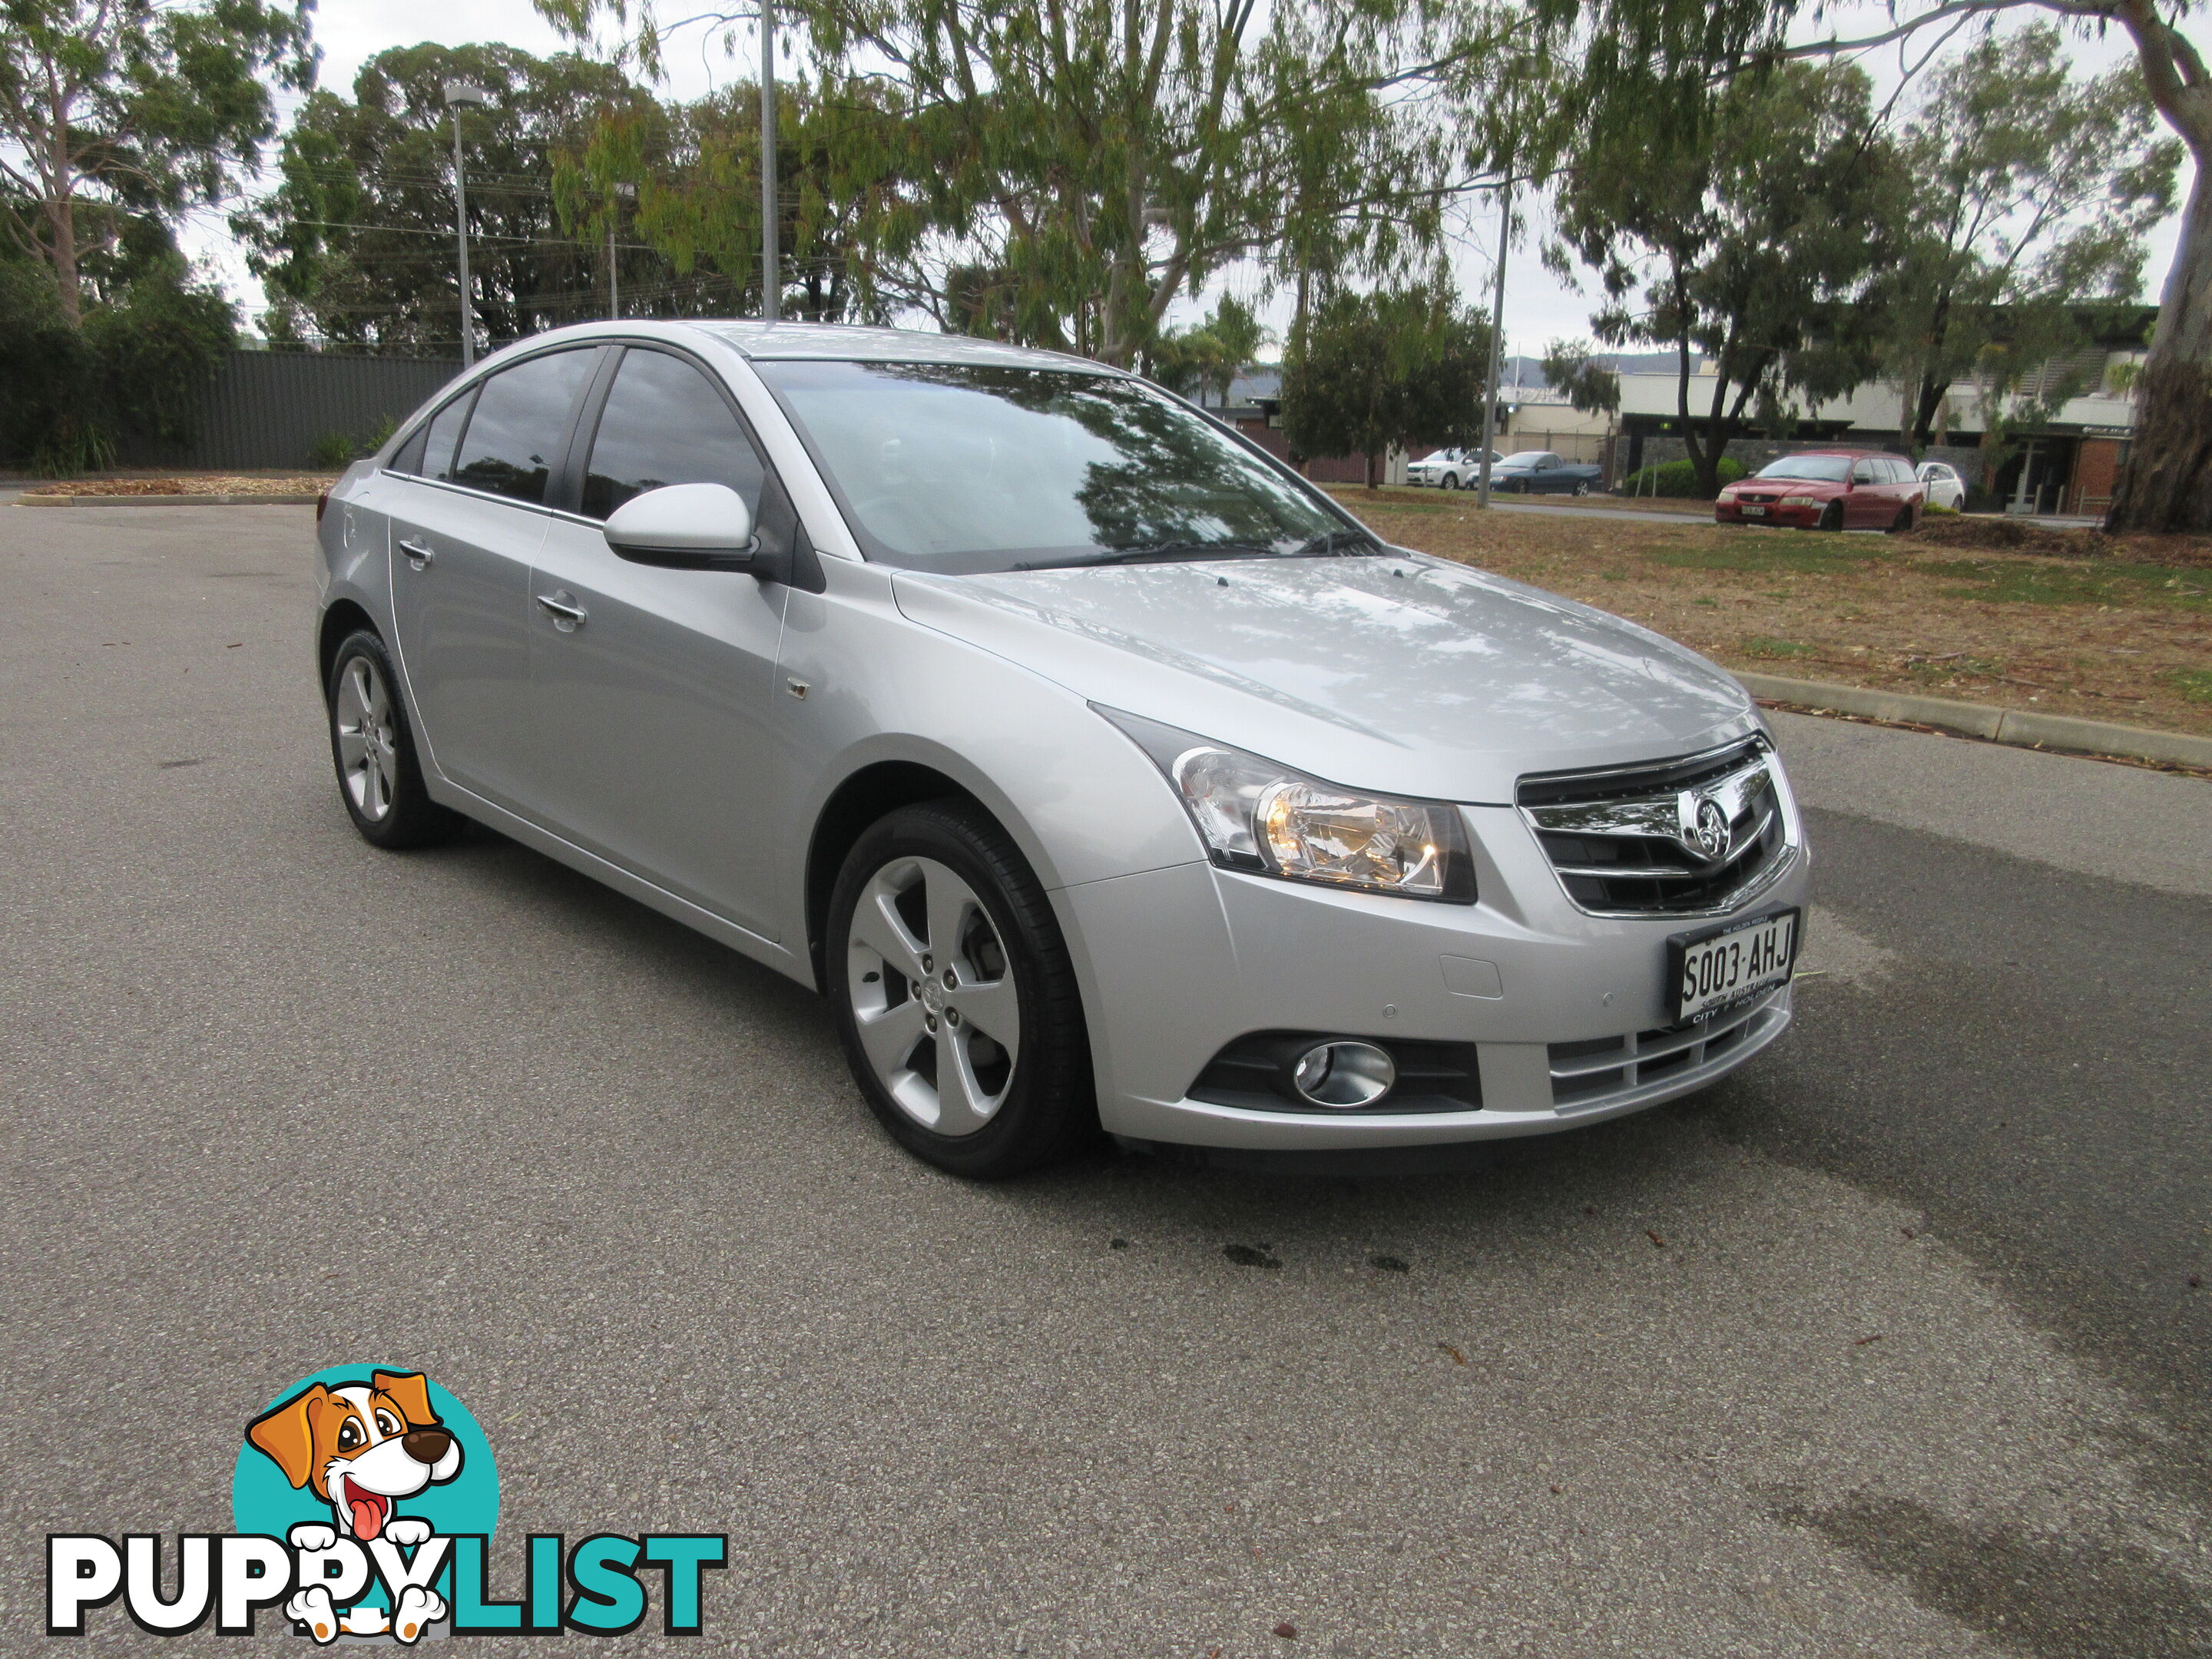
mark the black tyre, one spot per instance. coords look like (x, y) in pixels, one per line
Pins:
(1903, 521)
(1451, 481)
(380, 779)
(1581, 487)
(954, 996)
(1832, 518)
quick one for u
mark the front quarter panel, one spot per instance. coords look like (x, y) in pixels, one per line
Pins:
(1079, 798)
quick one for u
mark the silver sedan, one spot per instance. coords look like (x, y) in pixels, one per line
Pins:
(1101, 772)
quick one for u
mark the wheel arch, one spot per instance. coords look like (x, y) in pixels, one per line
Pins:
(880, 787)
(343, 616)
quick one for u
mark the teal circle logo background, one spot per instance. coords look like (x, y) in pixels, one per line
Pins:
(262, 1500)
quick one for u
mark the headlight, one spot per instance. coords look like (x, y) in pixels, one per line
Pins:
(1257, 816)
(1803, 501)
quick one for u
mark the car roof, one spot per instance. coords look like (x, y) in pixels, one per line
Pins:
(844, 343)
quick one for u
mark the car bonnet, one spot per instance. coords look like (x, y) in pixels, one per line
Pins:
(1401, 674)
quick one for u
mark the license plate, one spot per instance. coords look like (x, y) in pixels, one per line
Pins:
(1754, 512)
(1717, 969)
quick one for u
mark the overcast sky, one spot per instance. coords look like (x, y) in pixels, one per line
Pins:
(1538, 306)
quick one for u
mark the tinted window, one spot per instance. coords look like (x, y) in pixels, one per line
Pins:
(964, 467)
(437, 457)
(408, 458)
(665, 423)
(1863, 472)
(1823, 469)
(1896, 472)
(513, 440)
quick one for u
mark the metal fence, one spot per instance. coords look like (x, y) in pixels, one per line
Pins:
(266, 409)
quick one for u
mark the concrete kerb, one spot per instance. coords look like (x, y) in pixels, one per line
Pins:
(2009, 726)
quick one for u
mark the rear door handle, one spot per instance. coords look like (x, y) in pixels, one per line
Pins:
(418, 553)
(567, 615)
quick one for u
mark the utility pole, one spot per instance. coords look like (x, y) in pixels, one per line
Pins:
(1497, 334)
(458, 95)
(771, 283)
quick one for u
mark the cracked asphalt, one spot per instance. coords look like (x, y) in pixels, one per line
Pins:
(1896, 1342)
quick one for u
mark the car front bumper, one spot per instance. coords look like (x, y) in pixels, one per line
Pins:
(1566, 1012)
(1797, 518)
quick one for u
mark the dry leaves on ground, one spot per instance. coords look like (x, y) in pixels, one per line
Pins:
(198, 483)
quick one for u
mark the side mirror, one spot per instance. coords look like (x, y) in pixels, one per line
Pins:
(690, 526)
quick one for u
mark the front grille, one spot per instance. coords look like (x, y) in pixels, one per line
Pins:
(1601, 1070)
(1432, 1077)
(1623, 841)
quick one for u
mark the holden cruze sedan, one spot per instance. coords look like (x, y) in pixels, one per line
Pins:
(1099, 770)
(1826, 489)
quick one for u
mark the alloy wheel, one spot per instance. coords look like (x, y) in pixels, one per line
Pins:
(933, 995)
(369, 751)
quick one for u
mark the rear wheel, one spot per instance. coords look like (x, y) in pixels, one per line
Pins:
(380, 778)
(1903, 521)
(1581, 486)
(954, 996)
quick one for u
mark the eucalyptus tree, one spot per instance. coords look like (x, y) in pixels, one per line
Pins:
(2032, 193)
(1647, 62)
(115, 108)
(1753, 239)
(354, 242)
(1100, 157)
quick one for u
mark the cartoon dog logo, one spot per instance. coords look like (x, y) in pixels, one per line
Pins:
(361, 1449)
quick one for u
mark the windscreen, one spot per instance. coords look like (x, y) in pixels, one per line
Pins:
(1821, 469)
(963, 468)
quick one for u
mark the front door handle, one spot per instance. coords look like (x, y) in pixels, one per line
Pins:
(567, 615)
(418, 553)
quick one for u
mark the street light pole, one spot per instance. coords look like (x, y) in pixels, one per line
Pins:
(624, 192)
(771, 283)
(457, 94)
(1497, 338)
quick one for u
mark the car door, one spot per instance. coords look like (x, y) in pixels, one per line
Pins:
(1551, 475)
(653, 684)
(466, 523)
(1867, 506)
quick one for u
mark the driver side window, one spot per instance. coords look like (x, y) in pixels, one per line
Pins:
(665, 423)
(1862, 472)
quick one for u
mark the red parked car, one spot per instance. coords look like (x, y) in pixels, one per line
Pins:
(1828, 489)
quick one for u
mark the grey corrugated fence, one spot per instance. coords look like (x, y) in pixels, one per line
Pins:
(266, 409)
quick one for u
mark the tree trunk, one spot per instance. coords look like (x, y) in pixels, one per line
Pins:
(2166, 484)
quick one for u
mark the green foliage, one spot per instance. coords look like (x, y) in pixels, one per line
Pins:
(1571, 366)
(1679, 479)
(1370, 370)
(1751, 236)
(115, 108)
(330, 452)
(1077, 165)
(2033, 193)
(1205, 359)
(68, 395)
(354, 244)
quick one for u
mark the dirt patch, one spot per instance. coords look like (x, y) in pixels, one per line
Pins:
(195, 484)
(2114, 638)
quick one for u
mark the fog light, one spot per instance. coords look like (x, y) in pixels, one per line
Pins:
(1343, 1076)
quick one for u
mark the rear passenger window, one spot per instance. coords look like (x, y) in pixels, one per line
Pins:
(665, 423)
(437, 457)
(513, 440)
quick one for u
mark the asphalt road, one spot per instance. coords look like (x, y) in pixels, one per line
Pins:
(1888, 1346)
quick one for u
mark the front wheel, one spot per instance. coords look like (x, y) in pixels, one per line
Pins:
(1451, 481)
(954, 995)
(1833, 518)
(379, 777)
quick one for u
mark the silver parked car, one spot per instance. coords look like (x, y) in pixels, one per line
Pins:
(1449, 469)
(1945, 487)
(1098, 769)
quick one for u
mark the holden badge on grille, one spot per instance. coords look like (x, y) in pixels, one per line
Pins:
(1705, 830)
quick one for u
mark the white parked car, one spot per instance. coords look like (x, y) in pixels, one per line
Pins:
(1098, 770)
(1450, 469)
(1945, 487)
